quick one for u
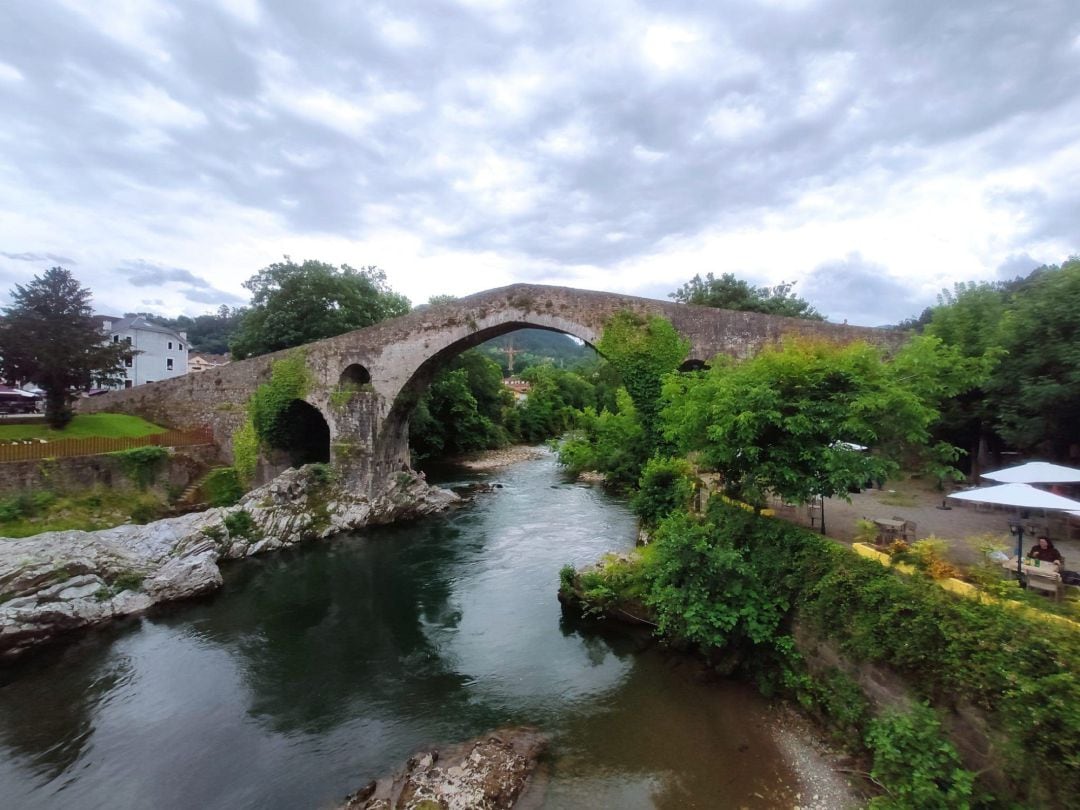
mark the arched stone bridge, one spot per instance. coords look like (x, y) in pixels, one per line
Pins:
(391, 363)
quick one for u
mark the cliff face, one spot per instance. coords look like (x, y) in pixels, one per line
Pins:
(57, 582)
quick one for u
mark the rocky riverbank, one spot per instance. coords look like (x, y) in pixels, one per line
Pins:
(58, 582)
(502, 457)
(491, 773)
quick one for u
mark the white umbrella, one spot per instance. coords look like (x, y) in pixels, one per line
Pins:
(1036, 472)
(1023, 496)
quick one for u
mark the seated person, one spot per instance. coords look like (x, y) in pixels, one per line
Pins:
(1044, 550)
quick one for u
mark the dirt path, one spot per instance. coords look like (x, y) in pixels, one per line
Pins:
(963, 527)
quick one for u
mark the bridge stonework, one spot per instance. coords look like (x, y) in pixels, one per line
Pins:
(391, 363)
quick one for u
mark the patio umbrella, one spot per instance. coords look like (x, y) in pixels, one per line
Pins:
(1036, 472)
(1023, 496)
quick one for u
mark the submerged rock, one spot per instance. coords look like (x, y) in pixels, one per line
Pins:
(57, 582)
(490, 773)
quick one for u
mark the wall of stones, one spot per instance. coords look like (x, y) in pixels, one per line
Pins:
(63, 475)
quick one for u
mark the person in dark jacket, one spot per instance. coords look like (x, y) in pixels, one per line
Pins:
(1044, 550)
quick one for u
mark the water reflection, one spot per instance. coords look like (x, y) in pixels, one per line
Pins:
(316, 670)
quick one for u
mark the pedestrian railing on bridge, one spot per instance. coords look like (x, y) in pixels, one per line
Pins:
(35, 449)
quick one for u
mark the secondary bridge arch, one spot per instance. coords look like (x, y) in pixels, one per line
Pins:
(365, 383)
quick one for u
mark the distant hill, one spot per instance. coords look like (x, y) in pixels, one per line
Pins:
(535, 346)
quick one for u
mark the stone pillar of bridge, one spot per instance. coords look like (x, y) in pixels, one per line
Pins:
(355, 424)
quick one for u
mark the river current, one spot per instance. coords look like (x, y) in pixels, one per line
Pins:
(313, 671)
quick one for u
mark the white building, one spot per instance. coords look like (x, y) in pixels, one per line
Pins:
(160, 352)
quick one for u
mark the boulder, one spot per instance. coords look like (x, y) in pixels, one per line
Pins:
(56, 582)
(490, 773)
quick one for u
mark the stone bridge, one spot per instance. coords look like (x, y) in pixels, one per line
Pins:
(365, 383)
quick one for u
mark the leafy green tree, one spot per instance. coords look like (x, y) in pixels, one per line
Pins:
(1037, 384)
(550, 407)
(212, 331)
(973, 319)
(49, 336)
(779, 422)
(642, 351)
(666, 486)
(729, 292)
(462, 410)
(293, 304)
(611, 441)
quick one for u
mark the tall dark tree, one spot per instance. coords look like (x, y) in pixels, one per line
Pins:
(1037, 386)
(729, 292)
(49, 336)
(293, 304)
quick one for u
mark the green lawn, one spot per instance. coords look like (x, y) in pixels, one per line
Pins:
(112, 425)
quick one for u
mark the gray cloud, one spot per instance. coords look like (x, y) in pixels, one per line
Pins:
(548, 137)
(1017, 265)
(856, 290)
(142, 273)
(39, 257)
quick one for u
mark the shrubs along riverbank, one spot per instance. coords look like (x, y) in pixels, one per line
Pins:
(949, 702)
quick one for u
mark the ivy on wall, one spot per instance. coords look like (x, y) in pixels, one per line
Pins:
(142, 464)
(290, 380)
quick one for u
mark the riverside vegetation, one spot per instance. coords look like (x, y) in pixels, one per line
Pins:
(987, 710)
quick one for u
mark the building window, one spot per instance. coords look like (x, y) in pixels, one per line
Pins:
(127, 362)
(168, 364)
(127, 340)
(115, 338)
(127, 383)
(180, 346)
(170, 344)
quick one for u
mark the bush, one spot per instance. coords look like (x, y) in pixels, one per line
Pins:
(666, 485)
(240, 524)
(142, 464)
(918, 768)
(222, 486)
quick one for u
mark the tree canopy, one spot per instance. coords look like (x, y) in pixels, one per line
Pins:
(783, 421)
(49, 336)
(643, 350)
(293, 304)
(729, 292)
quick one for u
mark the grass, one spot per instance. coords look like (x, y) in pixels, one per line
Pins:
(83, 426)
(89, 510)
(898, 499)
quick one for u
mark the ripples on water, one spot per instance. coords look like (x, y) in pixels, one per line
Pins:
(316, 670)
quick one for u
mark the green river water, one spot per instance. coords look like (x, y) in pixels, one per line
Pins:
(314, 671)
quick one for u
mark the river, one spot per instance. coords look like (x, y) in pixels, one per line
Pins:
(315, 670)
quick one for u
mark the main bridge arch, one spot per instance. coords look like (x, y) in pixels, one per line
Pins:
(365, 383)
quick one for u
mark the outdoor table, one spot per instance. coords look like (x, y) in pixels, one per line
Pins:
(1043, 577)
(888, 529)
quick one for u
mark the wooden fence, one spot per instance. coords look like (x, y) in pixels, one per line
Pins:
(34, 449)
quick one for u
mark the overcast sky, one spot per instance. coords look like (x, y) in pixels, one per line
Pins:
(873, 152)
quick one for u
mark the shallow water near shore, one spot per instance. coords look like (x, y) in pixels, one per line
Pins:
(316, 670)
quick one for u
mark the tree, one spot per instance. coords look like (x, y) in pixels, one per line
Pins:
(643, 351)
(1037, 385)
(49, 336)
(293, 304)
(972, 318)
(777, 423)
(729, 292)
(462, 410)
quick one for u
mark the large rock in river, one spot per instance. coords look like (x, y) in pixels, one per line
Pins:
(56, 582)
(490, 773)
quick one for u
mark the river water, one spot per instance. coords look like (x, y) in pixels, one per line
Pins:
(316, 670)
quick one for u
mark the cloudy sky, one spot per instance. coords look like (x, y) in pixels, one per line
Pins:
(873, 152)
